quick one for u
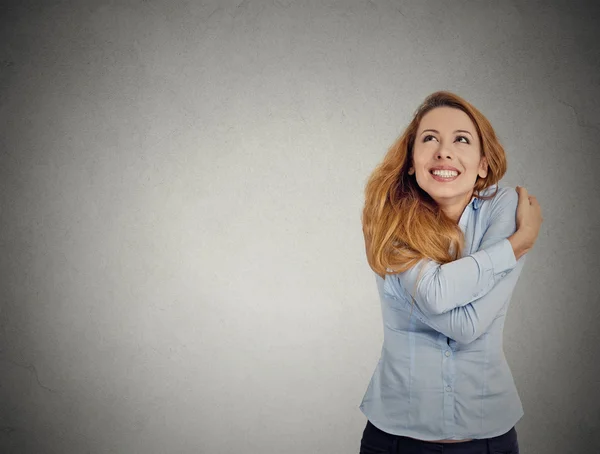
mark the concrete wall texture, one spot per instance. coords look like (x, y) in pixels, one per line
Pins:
(182, 268)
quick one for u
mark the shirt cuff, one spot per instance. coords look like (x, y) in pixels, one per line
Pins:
(502, 257)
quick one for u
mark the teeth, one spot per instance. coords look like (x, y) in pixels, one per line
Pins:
(445, 173)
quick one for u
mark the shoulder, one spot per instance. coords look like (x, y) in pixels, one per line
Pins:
(504, 200)
(505, 196)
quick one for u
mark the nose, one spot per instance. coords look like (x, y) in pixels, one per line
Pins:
(443, 153)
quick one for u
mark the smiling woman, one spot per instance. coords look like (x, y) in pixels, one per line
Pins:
(447, 245)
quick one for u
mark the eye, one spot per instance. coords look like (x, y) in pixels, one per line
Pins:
(463, 137)
(425, 138)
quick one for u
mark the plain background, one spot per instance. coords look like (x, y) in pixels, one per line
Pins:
(182, 267)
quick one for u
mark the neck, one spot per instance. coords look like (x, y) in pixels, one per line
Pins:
(454, 215)
(454, 210)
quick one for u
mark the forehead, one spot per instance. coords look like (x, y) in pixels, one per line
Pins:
(446, 118)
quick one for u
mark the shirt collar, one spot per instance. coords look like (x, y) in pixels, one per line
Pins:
(476, 201)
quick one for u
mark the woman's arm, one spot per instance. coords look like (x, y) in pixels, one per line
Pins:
(529, 221)
(442, 288)
(467, 323)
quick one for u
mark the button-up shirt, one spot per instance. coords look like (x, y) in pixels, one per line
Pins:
(442, 373)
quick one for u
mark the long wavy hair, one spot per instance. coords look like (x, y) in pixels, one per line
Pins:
(401, 223)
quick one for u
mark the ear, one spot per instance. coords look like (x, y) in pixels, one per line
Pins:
(483, 167)
(411, 171)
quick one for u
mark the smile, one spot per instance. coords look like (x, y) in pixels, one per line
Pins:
(444, 175)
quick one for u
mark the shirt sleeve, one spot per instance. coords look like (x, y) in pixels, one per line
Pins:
(441, 288)
(467, 323)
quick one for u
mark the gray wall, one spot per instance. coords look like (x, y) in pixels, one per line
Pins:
(182, 266)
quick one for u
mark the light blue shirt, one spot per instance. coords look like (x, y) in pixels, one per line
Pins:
(442, 373)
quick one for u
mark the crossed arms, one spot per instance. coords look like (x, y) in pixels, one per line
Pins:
(462, 298)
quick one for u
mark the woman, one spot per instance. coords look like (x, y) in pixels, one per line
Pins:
(447, 245)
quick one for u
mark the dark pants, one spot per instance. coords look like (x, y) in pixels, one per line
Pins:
(376, 441)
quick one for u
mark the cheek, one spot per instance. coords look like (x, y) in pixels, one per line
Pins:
(472, 163)
(419, 157)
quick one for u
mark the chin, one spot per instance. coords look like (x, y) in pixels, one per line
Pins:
(448, 193)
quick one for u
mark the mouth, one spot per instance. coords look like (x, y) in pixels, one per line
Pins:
(444, 175)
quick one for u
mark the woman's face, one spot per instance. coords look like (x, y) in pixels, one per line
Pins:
(447, 138)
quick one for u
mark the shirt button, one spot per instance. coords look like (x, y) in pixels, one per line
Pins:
(447, 353)
(448, 388)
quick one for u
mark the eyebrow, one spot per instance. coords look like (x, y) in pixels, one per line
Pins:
(458, 130)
